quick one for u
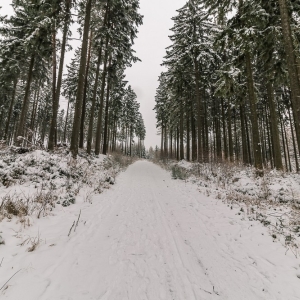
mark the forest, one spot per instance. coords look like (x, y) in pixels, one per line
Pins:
(212, 212)
(102, 112)
(231, 88)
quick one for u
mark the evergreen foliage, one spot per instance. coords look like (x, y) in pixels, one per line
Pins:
(102, 112)
(231, 85)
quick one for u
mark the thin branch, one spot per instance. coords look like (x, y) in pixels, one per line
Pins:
(71, 228)
(9, 279)
(77, 221)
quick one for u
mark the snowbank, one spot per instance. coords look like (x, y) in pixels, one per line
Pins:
(35, 183)
(273, 199)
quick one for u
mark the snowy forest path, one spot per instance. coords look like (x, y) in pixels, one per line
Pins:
(151, 237)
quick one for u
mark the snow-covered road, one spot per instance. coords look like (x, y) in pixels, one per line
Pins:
(151, 237)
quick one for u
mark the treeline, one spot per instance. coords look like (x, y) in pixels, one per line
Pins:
(231, 89)
(102, 112)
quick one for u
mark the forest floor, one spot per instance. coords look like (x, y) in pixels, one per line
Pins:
(147, 237)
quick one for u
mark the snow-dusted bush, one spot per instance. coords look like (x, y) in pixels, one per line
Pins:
(33, 183)
(271, 197)
(178, 172)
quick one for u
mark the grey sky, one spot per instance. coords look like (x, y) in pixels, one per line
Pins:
(150, 47)
(6, 8)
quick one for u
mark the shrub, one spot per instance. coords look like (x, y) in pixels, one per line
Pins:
(178, 173)
(16, 208)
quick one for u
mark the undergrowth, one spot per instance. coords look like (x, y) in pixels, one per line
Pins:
(272, 198)
(35, 182)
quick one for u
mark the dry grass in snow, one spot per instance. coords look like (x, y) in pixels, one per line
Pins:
(272, 199)
(35, 183)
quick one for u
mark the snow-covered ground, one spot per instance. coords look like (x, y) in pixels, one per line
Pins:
(273, 198)
(148, 237)
(35, 182)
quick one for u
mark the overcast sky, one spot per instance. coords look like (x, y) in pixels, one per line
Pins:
(150, 48)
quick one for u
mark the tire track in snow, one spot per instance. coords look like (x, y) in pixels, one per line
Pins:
(179, 243)
(153, 238)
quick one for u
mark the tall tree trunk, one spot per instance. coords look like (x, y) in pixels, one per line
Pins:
(114, 141)
(248, 141)
(166, 142)
(38, 104)
(224, 130)
(12, 103)
(188, 150)
(291, 64)
(162, 142)
(284, 146)
(236, 138)
(130, 140)
(53, 126)
(23, 116)
(194, 139)
(81, 75)
(254, 120)
(206, 145)
(52, 139)
(269, 137)
(287, 149)
(181, 156)
(81, 137)
(199, 111)
(108, 135)
(32, 118)
(91, 121)
(218, 132)
(106, 114)
(2, 113)
(274, 128)
(243, 133)
(229, 129)
(34, 111)
(66, 121)
(294, 143)
(214, 144)
(171, 144)
(263, 140)
(177, 146)
(99, 122)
